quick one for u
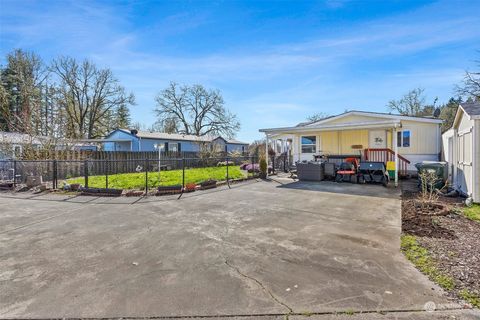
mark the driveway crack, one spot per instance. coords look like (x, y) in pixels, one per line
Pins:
(260, 284)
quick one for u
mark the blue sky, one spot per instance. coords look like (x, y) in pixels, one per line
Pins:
(275, 62)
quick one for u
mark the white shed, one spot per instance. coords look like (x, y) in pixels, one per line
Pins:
(462, 150)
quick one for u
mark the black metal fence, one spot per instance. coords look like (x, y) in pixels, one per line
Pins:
(139, 174)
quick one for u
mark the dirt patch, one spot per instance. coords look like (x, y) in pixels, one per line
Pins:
(423, 220)
(452, 240)
(459, 257)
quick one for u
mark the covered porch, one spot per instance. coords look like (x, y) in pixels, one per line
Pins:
(368, 141)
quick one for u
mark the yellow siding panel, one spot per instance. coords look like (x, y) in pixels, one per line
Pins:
(329, 142)
(348, 138)
(424, 138)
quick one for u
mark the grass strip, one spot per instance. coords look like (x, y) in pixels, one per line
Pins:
(420, 257)
(167, 178)
(472, 213)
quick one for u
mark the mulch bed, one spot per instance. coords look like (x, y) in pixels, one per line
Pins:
(452, 240)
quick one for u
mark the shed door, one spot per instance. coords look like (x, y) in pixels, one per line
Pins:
(378, 139)
(464, 162)
(449, 159)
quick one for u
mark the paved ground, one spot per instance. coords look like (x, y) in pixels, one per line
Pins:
(260, 248)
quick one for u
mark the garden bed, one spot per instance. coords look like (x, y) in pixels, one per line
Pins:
(450, 242)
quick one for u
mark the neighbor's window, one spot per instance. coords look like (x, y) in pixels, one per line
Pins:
(173, 147)
(403, 138)
(309, 144)
(17, 151)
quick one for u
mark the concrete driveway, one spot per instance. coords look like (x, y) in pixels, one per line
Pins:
(261, 248)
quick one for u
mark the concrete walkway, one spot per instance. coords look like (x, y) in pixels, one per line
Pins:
(261, 248)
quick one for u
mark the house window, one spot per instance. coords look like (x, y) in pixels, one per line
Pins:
(17, 151)
(403, 138)
(173, 147)
(309, 144)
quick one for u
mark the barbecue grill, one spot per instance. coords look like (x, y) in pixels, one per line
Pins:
(373, 172)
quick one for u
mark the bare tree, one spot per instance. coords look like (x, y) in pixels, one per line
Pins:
(89, 96)
(470, 87)
(411, 104)
(195, 110)
(317, 117)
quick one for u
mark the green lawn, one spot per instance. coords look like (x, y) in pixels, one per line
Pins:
(473, 212)
(167, 178)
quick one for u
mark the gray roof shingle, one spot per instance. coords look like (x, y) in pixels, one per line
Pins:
(471, 108)
(179, 137)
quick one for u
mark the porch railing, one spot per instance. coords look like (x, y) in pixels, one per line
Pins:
(386, 154)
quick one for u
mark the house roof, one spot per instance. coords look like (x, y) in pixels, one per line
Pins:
(373, 114)
(386, 120)
(20, 138)
(180, 137)
(471, 108)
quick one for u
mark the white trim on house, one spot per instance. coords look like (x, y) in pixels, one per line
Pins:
(376, 114)
(343, 126)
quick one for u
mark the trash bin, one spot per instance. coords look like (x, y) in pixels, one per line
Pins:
(439, 167)
(391, 169)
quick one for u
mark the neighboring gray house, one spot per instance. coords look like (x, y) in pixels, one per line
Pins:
(134, 140)
(12, 144)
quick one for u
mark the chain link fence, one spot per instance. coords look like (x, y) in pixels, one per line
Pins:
(132, 174)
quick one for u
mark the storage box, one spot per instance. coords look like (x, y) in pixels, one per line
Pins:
(310, 171)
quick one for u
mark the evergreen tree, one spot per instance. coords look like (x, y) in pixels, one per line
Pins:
(122, 117)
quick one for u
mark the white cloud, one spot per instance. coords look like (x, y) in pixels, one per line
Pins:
(277, 84)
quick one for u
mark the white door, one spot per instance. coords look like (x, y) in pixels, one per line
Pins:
(378, 139)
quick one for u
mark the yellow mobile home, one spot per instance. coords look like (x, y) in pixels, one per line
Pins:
(370, 135)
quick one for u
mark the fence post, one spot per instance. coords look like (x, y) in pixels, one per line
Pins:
(55, 177)
(14, 173)
(228, 182)
(146, 176)
(183, 177)
(183, 171)
(85, 172)
(106, 174)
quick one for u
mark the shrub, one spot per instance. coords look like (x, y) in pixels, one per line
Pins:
(428, 180)
(263, 167)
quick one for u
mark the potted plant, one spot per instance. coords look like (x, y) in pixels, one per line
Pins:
(161, 190)
(208, 184)
(190, 187)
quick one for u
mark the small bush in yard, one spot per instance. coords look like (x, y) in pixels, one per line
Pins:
(263, 167)
(420, 257)
(428, 180)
